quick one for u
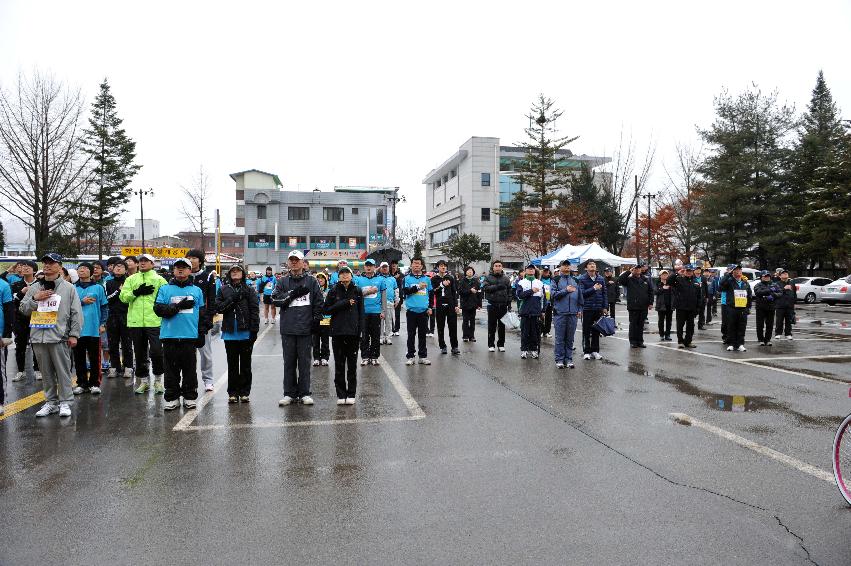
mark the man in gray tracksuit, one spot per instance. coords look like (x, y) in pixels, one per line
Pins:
(301, 303)
(56, 319)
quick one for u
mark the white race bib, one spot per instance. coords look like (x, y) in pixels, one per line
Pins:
(269, 286)
(302, 301)
(175, 300)
(51, 304)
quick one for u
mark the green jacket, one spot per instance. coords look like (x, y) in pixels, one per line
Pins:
(140, 310)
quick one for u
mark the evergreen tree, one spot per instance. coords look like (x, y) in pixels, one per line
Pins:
(822, 182)
(113, 153)
(418, 250)
(465, 249)
(746, 175)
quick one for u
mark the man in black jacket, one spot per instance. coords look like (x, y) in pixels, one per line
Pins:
(345, 305)
(687, 295)
(613, 289)
(766, 293)
(784, 314)
(470, 299)
(206, 281)
(397, 274)
(300, 301)
(26, 269)
(737, 302)
(497, 288)
(639, 300)
(446, 305)
(120, 341)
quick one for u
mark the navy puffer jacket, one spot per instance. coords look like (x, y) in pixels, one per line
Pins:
(594, 300)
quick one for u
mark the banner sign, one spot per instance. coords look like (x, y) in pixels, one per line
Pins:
(156, 252)
(342, 254)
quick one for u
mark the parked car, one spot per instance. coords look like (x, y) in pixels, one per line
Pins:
(838, 291)
(810, 288)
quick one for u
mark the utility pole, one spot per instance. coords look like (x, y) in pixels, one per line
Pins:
(143, 193)
(636, 217)
(648, 196)
(394, 199)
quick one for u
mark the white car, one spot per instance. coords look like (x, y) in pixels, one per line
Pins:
(838, 291)
(810, 288)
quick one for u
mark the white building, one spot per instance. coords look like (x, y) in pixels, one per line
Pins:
(464, 193)
(133, 233)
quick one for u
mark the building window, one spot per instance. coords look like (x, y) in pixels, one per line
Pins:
(260, 241)
(237, 244)
(298, 213)
(379, 216)
(261, 212)
(323, 242)
(445, 178)
(438, 182)
(486, 215)
(486, 179)
(442, 236)
(354, 212)
(240, 194)
(292, 242)
(332, 213)
(240, 222)
(452, 174)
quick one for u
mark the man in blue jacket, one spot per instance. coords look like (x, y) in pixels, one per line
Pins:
(418, 292)
(593, 288)
(179, 305)
(265, 287)
(95, 312)
(529, 291)
(372, 286)
(567, 307)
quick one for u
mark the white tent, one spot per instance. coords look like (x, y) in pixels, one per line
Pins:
(584, 252)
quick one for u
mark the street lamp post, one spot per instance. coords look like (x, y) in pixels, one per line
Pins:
(648, 196)
(394, 199)
(143, 193)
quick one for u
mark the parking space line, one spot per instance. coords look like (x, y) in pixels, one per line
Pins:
(682, 418)
(22, 404)
(743, 362)
(814, 357)
(411, 403)
(284, 424)
(191, 415)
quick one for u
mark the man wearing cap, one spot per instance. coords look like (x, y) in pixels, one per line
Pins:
(26, 269)
(446, 303)
(179, 303)
(613, 290)
(139, 293)
(686, 299)
(391, 299)
(372, 286)
(335, 276)
(639, 300)
(300, 299)
(417, 291)
(95, 311)
(120, 340)
(784, 314)
(56, 319)
(206, 281)
(737, 295)
(766, 293)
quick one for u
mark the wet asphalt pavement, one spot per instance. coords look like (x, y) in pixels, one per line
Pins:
(481, 458)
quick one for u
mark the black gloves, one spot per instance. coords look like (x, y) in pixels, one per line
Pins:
(186, 303)
(299, 292)
(144, 289)
(252, 337)
(200, 341)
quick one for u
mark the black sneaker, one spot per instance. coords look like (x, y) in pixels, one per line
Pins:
(455, 351)
(443, 350)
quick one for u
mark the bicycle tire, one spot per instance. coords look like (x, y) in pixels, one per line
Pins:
(842, 460)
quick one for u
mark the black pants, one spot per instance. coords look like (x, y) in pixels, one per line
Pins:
(87, 347)
(143, 339)
(431, 322)
(296, 350)
(764, 324)
(370, 348)
(397, 322)
(417, 323)
(496, 329)
(636, 326)
(685, 326)
(709, 308)
(468, 324)
(725, 323)
(119, 340)
(737, 323)
(665, 323)
(22, 338)
(548, 320)
(238, 353)
(590, 336)
(530, 333)
(4, 356)
(181, 376)
(612, 310)
(701, 317)
(783, 317)
(320, 342)
(446, 317)
(346, 366)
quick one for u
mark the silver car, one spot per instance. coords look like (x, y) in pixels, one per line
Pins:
(838, 291)
(810, 288)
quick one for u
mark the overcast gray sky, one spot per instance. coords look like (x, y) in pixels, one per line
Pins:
(378, 93)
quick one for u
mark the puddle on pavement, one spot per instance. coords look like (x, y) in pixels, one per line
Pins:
(731, 403)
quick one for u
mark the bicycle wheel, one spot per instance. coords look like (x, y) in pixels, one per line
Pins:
(842, 458)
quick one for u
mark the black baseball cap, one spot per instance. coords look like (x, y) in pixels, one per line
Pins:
(52, 257)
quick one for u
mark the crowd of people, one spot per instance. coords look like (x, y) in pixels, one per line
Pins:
(125, 317)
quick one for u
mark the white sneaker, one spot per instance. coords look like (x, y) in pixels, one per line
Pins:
(364, 362)
(273, 321)
(381, 341)
(189, 403)
(729, 348)
(425, 361)
(64, 410)
(789, 337)
(171, 405)
(307, 400)
(523, 355)
(208, 387)
(389, 342)
(266, 321)
(324, 362)
(742, 349)
(534, 355)
(95, 391)
(38, 376)
(2, 411)
(47, 409)
(350, 400)
(18, 376)
(78, 390)
(597, 355)
(559, 365)
(128, 372)
(112, 372)
(315, 363)
(586, 357)
(287, 400)
(410, 362)
(491, 349)
(501, 348)
(341, 401)
(429, 335)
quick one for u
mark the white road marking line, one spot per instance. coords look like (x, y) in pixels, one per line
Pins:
(283, 424)
(672, 345)
(758, 448)
(744, 363)
(190, 416)
(413, 407)
(814, 357)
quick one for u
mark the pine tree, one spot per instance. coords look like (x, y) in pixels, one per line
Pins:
(113, 153)
(821, 181)
(746, 176)
(418, 250)
(465, 249)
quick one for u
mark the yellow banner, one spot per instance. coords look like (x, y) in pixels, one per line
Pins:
(157, 252)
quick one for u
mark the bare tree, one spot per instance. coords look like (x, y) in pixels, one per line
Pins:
(42, 166)
(683, 192)
(408, 235)
(196, 209)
